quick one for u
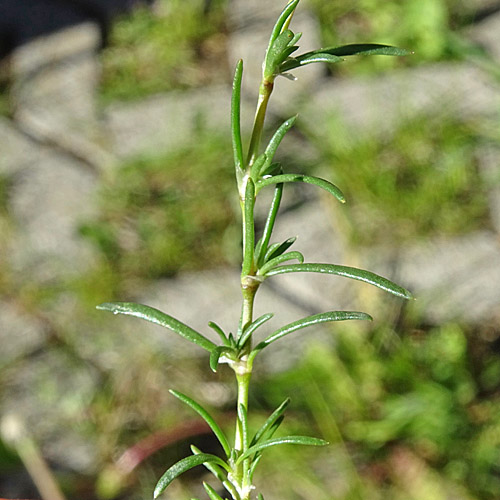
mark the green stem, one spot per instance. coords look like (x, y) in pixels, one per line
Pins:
(243, 375)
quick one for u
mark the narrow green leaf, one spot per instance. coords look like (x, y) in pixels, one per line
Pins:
(248, 331)
(282, 19)
(303, 440)
(347, 272)
(275, 142)
(277, 249)
(322, 183)
(220, 332)
(275, 415)
(362, 49)
(337, 54)
(216, 470)
(207, 417)
(235, 119)
(243, 418)
(159, 318)
(249, 228)
(295, 62)
(328, 58)
(260, 497)
(268, 228)
(295, 39)
(315, 319)
(287, 51)
(258, 164)
(274, 427)
(217, 353)
(276, 54)
(211, 492)
(255, 462)
(279, 260)
(273, 169)
(184, 465)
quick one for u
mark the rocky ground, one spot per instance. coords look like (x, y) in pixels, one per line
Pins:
(56, 149)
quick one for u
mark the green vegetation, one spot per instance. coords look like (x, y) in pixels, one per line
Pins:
(177, 45)
(413, 414)
(262, 259)
(427, 26)
(168, 213)
(411, 410)
(420, 181)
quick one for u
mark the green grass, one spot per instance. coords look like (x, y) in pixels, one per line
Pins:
(168, 213)
(429, 396)
(420, 182)
(175, 46)
(424, 26)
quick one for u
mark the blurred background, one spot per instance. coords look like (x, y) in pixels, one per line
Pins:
(116, 184)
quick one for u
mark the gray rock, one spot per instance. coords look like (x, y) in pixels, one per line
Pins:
(487, 34)
(454, 279)
(20, 333)
(377, 105)
(58, 74)
(489, 161)
(163, 122)
(48, 203)
(18, 150)
(53, 92)
(51, 393)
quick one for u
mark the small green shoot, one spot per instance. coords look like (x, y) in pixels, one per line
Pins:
(261, 260)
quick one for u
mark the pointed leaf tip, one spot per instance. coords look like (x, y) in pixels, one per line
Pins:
(159, 318)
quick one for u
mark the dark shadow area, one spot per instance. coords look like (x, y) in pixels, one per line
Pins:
(24, 20)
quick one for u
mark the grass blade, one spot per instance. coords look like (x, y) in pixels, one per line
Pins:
(207, 417)
(303, 440)
(347, 272)
(322, 183)
(184, 465)
(315, 319)
(159, 318)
